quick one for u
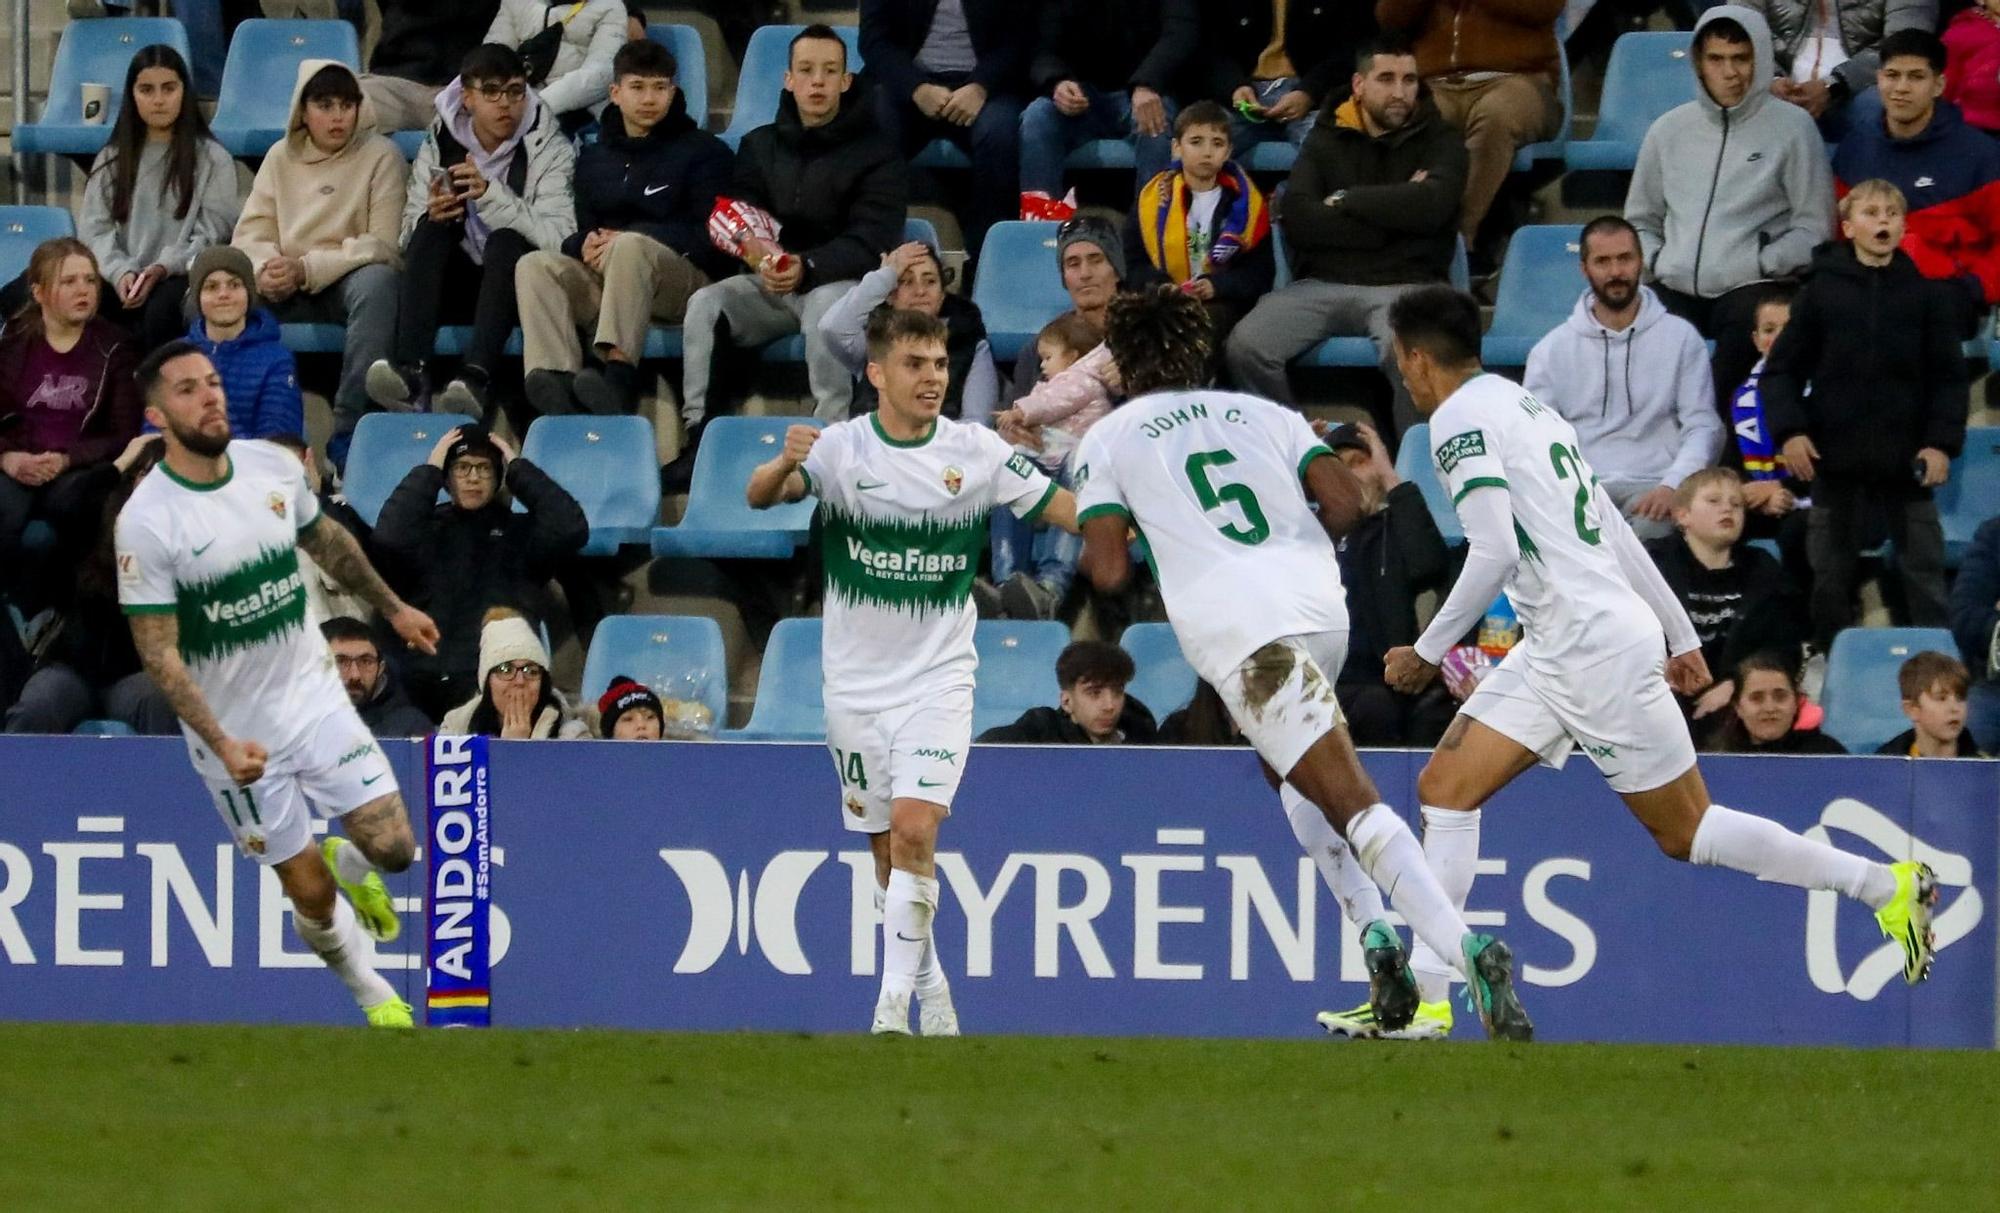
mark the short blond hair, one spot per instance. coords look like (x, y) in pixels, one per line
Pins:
(1691, 487)
(1874, 187)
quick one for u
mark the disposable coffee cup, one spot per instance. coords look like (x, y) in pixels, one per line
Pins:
(96, 103)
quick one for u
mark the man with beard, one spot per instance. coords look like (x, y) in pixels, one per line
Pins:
(1633, 379)
(208, 575)
(371, 685)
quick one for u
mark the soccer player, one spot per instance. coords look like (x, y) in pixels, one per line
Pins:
(208, 573)
(1606, 644)
(904, 497)
(1223, 486)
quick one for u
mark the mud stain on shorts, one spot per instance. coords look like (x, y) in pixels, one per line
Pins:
(1267, 669)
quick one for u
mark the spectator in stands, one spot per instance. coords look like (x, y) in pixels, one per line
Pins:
(326, 598)
(1972, 67)
(1975, 624)
(246, 345)
(1949, 172)
(1492, 68)
(1738, 596)
(568, 49)
(517, 700)
(1205, 226)
(630, 711)
(1094, 708)
(1633, 379)
(161, 191)
(636, 21)
(86, 667)
(1829, 52)
(1034, 564)
(1768, 493)
(1933, 688)
(1104, 69)
(839, 188)
(1865, 392)
(912, 277)
(491, 184)
(640, 249)
(1765, 714)
(955, 70)
(322, 228)
(1371, 209)
(1714, 234)
(1276, 63)
(67, 404)
(474, 552)
(418, 51)
(1090, 256)
(371, 684)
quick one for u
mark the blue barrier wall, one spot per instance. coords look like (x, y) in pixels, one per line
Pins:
(1112, 892)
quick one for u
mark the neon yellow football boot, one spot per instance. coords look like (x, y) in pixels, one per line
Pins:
(1907, 917)
(392, 1014)
(372, 906)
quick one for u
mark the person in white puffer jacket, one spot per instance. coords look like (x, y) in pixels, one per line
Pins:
(579, 83)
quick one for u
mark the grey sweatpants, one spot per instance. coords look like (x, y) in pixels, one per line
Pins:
(365, 300)
(757, 318)
(1287, 323)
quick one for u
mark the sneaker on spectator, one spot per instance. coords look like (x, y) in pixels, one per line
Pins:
(1022, 597)
(677, 476)
(400, 389)
(550, 393)
(1812, 679)
(986, 599)
(468, 394)
(610, 391)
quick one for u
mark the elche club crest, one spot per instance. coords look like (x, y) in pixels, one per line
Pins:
(277, 503)
(954, 479)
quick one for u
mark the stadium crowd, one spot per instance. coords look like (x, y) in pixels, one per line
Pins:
(1764, 369)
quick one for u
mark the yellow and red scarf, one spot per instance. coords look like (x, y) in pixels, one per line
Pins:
(1242, 221)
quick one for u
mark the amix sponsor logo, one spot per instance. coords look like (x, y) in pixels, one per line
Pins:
(270, 594)
(908, 560)
(944, 756)
(361, 751)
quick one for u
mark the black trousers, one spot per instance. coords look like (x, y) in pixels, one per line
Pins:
(1848, 518)
(992, 143)
(442, 282)
(1726, 320)
(71, 505)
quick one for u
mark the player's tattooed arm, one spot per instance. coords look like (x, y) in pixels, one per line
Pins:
(157, 637)
(335, 550)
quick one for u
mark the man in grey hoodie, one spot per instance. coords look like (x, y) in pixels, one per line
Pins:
(1634, 381)
(1732, 190)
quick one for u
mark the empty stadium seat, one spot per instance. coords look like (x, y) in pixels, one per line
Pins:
(1649, 74)
(762, 76)
(1539, 284)
(610, 466)
(789, 706)
(1164, 681)
(255, 101)
(1413, 463)
(678, 656)
(1863, 704)
(1972, 494)
(1017, 669)
(102, 728)
(386, 446)
(94, 52)
(691, 60)
(24, 227)
(1016, 304)
(718, 521)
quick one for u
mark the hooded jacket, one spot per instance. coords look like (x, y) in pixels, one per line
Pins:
(258, 376)
(1642, 399)
(425, 41)
(115, 409)
(1972, 67)
(662, 184)
(1879, 349)
(1862, 26)
(1386, 229)
(839, 190)
(581, 76)
(1052, 726)
(1115, 45)
(1950, 176)
(1477, 35)
(528, 177)
(1726, 197)
(336, 211)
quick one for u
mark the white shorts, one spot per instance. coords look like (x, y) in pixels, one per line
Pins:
(913, 752)
(1621, 711)
(336, 770)
(1282, 695)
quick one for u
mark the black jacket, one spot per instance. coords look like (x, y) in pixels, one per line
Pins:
(455, 564)
(1901, 743)
(1385, 230)
(1321, 37)
(1115, 45)
(1387, 560)
(390, 713)
(840, 190)
(425, 41)
(1052, 726)
(893, 31)
(1732, 738)
(1743, 609)
(663, 185)
(1880, 351)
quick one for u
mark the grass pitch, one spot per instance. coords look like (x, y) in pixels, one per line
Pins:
(282, 1118)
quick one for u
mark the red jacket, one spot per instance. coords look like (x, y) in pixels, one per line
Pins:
(1972, 68)
(1950, 174)
(115, 411)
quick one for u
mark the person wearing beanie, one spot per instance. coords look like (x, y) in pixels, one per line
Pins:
(913, 277)
(629, 711)
(517, 701)
(474, 552)
(1090, 257)
(245, 343)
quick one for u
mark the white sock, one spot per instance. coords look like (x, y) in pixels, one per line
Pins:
(930, 971)
(906, 928)
(1769, 851)
(1392, 855)
(351, 865)
(1451, 848)
(345, 950)
(1359, 899)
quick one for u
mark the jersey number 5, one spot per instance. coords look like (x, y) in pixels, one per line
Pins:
(1560, 456)
(1239, 495)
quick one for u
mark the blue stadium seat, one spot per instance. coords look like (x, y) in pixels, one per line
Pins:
(1527, 156)
(1101, 154)
(258, 78)
(1017, 304)
(679, 656)
(1863, 706)
(789, 706)
(102, 728)
(408, 142)
(718, 521)
(1164, 681)
(691, 59)
(762, 76)
(97, 52)
(1649, 73)
(24, 227)
(1972, 495)
(610, 466)
(1539, 284)
(1017, 669)
(386, 446)
(1413, 463)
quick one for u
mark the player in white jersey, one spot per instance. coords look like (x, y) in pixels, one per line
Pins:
(1605, 645)
(1218, 484)
(904, 497)
(208, 574)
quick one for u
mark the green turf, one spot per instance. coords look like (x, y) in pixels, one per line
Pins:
(294, 1119)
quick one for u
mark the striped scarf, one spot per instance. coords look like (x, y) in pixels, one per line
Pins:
(1242, 221)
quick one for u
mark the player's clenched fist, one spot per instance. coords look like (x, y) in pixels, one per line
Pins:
(244, 760)
(799, 441)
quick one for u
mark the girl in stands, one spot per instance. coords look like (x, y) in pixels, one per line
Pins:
(1766, 716)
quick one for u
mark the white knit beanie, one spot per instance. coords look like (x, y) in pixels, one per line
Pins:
(508, 639)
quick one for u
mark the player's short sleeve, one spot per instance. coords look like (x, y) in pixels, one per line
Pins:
(1097, 491)
(1301, 443)
(1017, 483)
(1466, 453)
(145, 568)
(821, 470)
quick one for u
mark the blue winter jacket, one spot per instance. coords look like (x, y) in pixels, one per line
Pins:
(258, 376)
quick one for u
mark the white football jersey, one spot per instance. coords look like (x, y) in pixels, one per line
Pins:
(1212, 482)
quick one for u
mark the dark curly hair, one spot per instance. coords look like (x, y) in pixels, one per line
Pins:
(1161, 340)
